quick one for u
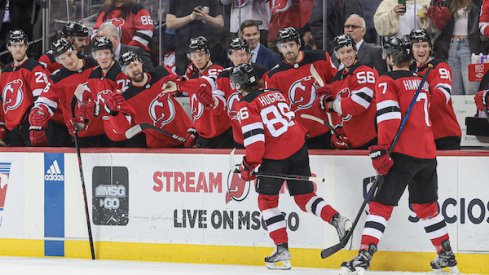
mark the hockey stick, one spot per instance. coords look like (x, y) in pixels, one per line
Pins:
(136, 129)
(234, 168)
(377, 182)
(333, 130)
(76, 97)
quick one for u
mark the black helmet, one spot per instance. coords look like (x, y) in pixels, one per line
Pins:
(60, 46)
(420, 35)
(344, 40)
(399, 47)
(288, 34)
(75, 29)
(243, 76)
(198, 43)
(238, 44)
(101, 43)
(129, 57)
(16, 36)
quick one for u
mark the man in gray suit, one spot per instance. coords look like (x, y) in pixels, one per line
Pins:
(111, 32)
(367, 54)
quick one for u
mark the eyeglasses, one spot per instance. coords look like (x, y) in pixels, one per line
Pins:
(353, 27)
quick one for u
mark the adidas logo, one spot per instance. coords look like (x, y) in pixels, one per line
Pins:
(54, 173)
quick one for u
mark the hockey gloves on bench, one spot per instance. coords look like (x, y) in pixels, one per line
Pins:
(113, 103)
(190, 138)
(340, 141)
(38, 119)
(204, 96)
(326, 103)
(381, 160)
(481, 99)
(246, 170)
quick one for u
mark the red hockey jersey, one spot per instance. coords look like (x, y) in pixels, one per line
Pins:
(394, 92)
(298, 86)
(288, 13)
(208, 122)
(442, 115)
(99, 85)
(355, 103)
(268, 126)
(136, 28)
(484, 19)
(20, 86)
(148, 104)
(61, 96)
(49, 62)
(230, 96)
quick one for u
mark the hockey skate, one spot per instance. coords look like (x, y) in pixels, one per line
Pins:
(342, 225)
(360, 263)
(280, 259)
(446, 258)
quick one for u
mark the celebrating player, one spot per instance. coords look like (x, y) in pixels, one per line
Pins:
(412, 163)
(276, 142)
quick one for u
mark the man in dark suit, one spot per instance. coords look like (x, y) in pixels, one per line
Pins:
(259, 53)
(367, 54)
(111, 32)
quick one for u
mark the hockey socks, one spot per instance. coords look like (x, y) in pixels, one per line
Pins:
(316, 205)
(433, 223)
(375, 224)
(274, 219)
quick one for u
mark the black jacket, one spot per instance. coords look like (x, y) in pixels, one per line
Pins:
(442, 43)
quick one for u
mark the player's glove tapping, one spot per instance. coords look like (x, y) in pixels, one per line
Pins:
(246, 170)
(381, 160)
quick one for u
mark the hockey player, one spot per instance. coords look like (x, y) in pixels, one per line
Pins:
(352, 98)
(276, 142)
(412, 163)
(105, 79)
(145, 102)
(293, 77)
(223, 93)
(22, 81)
(481, 99)
(75, 71)
(445, 127)
(77, 35)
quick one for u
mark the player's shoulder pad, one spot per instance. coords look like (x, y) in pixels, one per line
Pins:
(437, 61)
(30, 64)
(96, 73)
(251, 96)
(132, 91)
(399, 74)
(136, 7)
(157, 73)
(282, 66)
(114, 71)
(8, 68)
(60, 74)
(225, 73)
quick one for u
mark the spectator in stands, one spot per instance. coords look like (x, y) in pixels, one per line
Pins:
(110, 31)
(134, 21)
(392, 18)
(259, 53)
(338, 12)
(243, 10)
(458, 41)
(192, 18)
(367, 54)
(369, 8)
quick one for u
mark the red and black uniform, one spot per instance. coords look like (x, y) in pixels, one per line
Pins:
(274, 139)
(446, 129)
(48, 61)
(288, 13)
(211, 123)
(148, 104)
(134, 21)
(230, 97)
(20, 87)
(354, 103)
(62, 96)
(100, 85)
(298, 85)
(484, 19)
(414, 158)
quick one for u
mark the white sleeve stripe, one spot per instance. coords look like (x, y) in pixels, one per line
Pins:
(211, 80)
(253, 139)
(218, 93)
(37, 92)
(252, 126)
(387, 103)
(388, 116)
(446, 89)
(48, 102)
(146, 32)
(361, 101)
(365, 90)
(140, 40)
